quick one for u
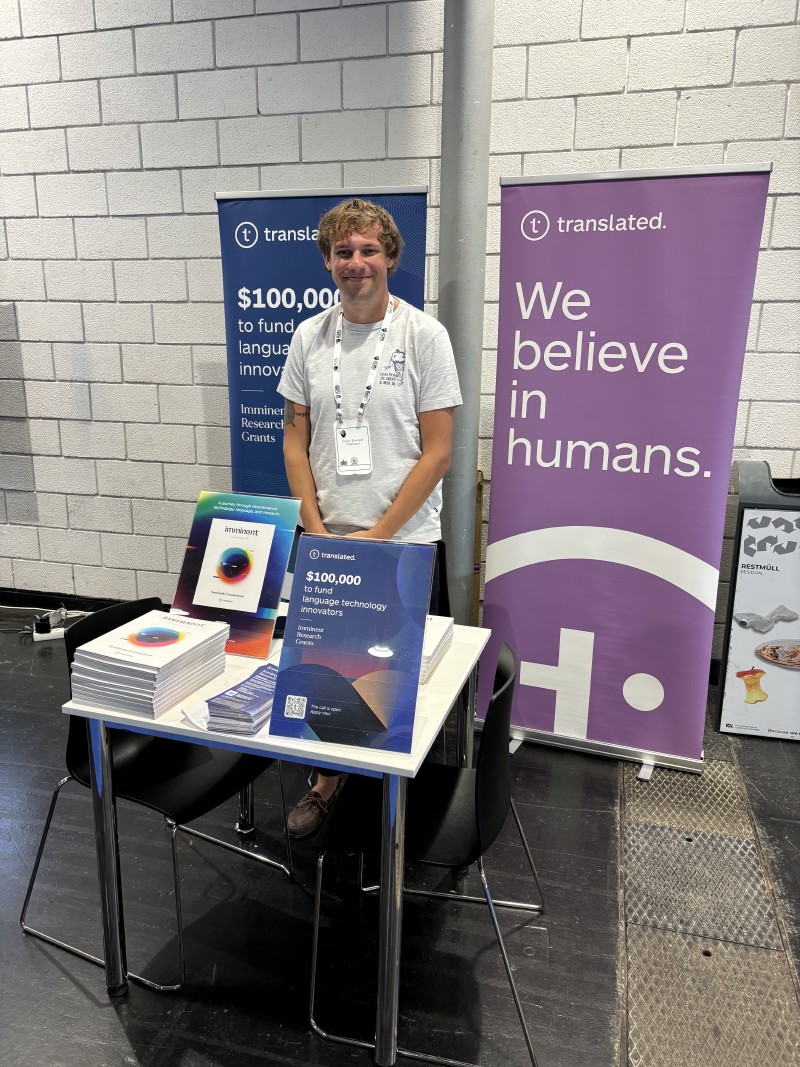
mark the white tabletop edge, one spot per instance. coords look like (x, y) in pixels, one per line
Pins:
(436, 698)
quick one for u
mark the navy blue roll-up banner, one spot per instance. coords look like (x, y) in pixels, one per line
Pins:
(273, 278)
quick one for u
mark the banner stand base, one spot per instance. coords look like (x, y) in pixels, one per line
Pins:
(601, 748)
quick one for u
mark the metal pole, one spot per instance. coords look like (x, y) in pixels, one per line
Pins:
(466, 117)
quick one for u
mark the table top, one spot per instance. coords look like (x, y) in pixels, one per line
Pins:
(436, 698)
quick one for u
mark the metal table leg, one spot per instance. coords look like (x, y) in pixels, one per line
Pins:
(465, 735)
(391, 918)
(107, 845)
(246, 821)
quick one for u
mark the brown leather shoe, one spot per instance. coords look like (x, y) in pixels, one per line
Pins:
(308, 814)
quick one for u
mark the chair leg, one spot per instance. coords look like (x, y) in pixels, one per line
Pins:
(314, 956)
(529, 856)
(30, 929)
(148, 982)
(339, 1038)
(506, 962)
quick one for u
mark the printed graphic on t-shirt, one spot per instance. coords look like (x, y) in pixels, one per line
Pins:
(394, 370)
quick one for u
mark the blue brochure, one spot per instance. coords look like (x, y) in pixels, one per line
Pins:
(350, 664)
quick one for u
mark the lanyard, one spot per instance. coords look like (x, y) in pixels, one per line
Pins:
(373, 370)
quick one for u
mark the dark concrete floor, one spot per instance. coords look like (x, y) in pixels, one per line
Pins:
(248, 930)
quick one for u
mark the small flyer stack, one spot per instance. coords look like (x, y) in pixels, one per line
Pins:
(438, 638)
(244, 709)
(149, 664)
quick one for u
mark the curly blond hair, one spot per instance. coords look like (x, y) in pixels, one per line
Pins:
(358, 216)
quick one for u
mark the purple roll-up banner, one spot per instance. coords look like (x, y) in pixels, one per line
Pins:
(624, 309)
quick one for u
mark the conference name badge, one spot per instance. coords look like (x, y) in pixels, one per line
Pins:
(353, 449)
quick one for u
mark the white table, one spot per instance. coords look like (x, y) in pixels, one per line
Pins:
(436, 698)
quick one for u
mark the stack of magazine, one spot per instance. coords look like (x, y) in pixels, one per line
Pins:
(245, 708)
(149, 664)
(438, 638)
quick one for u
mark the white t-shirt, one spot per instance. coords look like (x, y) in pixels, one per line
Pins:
(417, 372)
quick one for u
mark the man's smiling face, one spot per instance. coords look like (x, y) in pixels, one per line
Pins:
(360, 267)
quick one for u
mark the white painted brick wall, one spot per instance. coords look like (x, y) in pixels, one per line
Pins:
(148, 98)
(50, 400)
(177, 442)
(200, 185)
(169, 48)
(578, 68)
(152, 192)
(100, 513)
(49, 321)
(70, 546)
(14, 108)
(33, 152)
(620, 18)
(111, 238)
(715, 14)
(343, 34)
(50, 16)
(644, 119)
(93, 439)
(38, 509)
(149, 279)
(124, 403)
(104, 148)
(79, 280)
(169, 144)
(71, 194)
(27, 61)
(217, 94)
(114, 141)
(398, 81)
(64, 104)
(21, 280)
(269, 140)
(157, 363)
(681, 60)
(18, 196)
(105, 54)
(130, 479)
(256, 41)
(112, 13)
(117, 322)
(520, 22)
(731, 114)
(86, 363)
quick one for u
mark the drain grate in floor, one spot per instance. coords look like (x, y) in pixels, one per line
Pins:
(697, 883)
(694, 1002)
(709, 801)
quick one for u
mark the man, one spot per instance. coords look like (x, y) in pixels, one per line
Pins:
(370, 386)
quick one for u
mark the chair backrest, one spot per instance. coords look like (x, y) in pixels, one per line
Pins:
(493, 767)
(95, 625)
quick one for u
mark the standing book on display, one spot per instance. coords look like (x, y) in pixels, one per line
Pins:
(235, 564)
(350, 665)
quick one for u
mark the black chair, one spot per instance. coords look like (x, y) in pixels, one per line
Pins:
(453, 816)
(180, 780)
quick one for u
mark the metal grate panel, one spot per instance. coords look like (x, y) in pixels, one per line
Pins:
(710, 801)
(701, 1003)
(697, 883)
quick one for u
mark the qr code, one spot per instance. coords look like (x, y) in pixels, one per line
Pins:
(295, 708)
